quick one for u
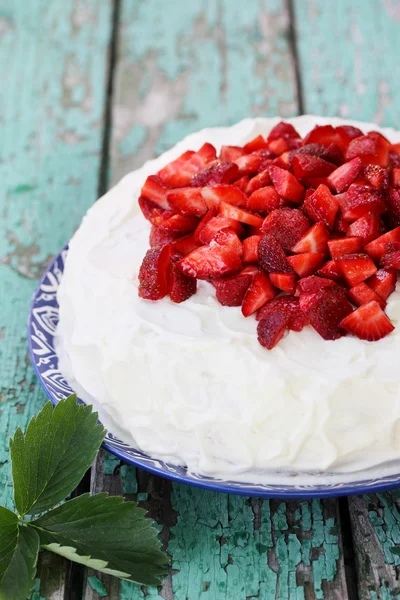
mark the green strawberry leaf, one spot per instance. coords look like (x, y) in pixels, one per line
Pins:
(105, 533)
(19, 549)
(50, 459)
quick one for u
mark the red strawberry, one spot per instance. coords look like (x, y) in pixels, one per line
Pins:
(186, 244)
(289, 306)
(180, 286)
(371, 148)
(238, 214)
(383, 282)
(282, 130)
(376, 248)
(154, 273)
(216, 172)
(362, 294)
(284, 281)
(271, 329)
(326, 310)
(155, 190)
(287, 225)
(258, 143)
(340, 179)
(326, 135)
(213, 196)
(391, 258)
(322, 206)
(230, 291)
(278, 146)
(312, 284)
(306, 165)
(368, 322)
(393, 204)
(396, 178)
(259, 181)
(231, 153)
(242, 183)
(331, 270)
(221, 257)
(187, 201)
(348, 132)
(173, 222)
(149, 209)
(271, 256)
(170, 174)
(377, 176)
(260, 291)
(331, 153)
(366, 227)
(264, 200)
(250, 249)
(359, 200)
(287, 185)
(342, 246)
(160, 237)
(341, 226)
(180, 172)
(282, 161)
(216, 224)
(357, 268)
(212, 212)
(306, 264)
(313, 241)
(249, 163)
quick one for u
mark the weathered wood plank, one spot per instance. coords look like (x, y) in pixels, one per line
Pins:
(52, 69)
(195, 65)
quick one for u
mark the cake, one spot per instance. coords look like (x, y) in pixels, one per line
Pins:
(174, 363)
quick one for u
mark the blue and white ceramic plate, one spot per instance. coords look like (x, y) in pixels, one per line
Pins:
(43, 319)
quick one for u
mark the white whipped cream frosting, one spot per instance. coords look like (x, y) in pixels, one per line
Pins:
(190, 384)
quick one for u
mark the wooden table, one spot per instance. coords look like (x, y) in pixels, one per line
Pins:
(89, 90)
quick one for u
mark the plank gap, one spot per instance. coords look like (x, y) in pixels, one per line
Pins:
(292, 33)
(348, 549)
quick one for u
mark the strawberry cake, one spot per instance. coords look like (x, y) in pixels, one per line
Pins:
(232, 307)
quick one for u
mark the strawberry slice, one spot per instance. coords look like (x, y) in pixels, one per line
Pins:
(221, 257)
(287, 185)
(187, 201)
(315, 240)
(271, 330)
(325, 135)
(213, 196)
(180, 172)
(312, 284)
(258, 143)
(214, 225)
(342, 177)
(362, 294)
(218, 171)
(331, 270)
(149, 209)
(154, 273)
(259, 292)
(331, 153)
(238, 214)
(282, 161)
(391, 258)
(282, 130)
(231, 153)
(289, 306)
(377, 176)
(321, 206)
(306, 264)
(326, 310)
(348, 245)
(307, 165)
(284, 281)
(260, 180)
(264, 200)
(212, 212)
(348, 133)
(368, 322)
(360, 200)
(341, 226)
(393, 204)
(160, 237)
(278, 146)
(371, 149)
(186, 244)
(287, 225)
(271, 256)
(230, 291)
(357, 268)
(249, 163)
(170, 174)
(173, 222)
(383, 282)
(250, 249)
(376, 248)
(366, 227)
(155, 190)
(180, 286)
(396, 178)
(242, 183)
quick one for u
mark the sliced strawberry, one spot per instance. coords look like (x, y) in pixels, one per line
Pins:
(242, 183)
(249, 163)
(187, 201)
(396, 178)
(230, 291)
(366, 227)
(326, 310)
(376, 248)
(324, 134)
(271, 330)
(307, 165)
(213, 196)
(287, 185)
(216, 224)
(368, 322)
(231, 153)
(271, 256)
(342, 246)
(357, 268)
(393, 204)
(238, 214)
(173, 222)
(322, 206)
(287, 225)
(394, 158)
(260, 180)
(154, 272)
(160, 237)
(258, 143)
(315, 240)
(278, 146)
(218, 171)
(186, 244)
(331, 153)
(306, 264)
(391, 258)
(312, 284)
(341, 226)
(180, 172)
(377, 176)
(342, 177)
(362, 294)
(282, 161)
(331, 270)
(289, 306)
(282, 130)
(180, 286)
(264, 200)
(154, 189)
(284, 281)
(348, 133)
(383, 282)
(170, 174)
(212, 212)
(359, 200)
(222, 257)
(250, 249)
(149, 209)
(371, 149)
(260, 291)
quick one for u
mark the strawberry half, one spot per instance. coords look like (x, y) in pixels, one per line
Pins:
(271, 256)
(312, 284)
(282, 130)
(383, 282)
(154, 189)
(230, 291)
(366, 227)
(289, 306)
(363, 293)
(371, 149)
(187, 201)
(213, 196)
(340, 179)
(260, 180)
(343, 246)
(306, 264)
(284, 281)
(322, 206)
(360, 200)
(258, 143)
(331, 270)
(307, 165)
(287, 185)
(215, 224)
(315, 240)
(326, 310)
(180, 286)
(271, 329)
(154, 273)
(331, 154)
(376, 248)
(377, 176)
(287, 225)
(357, 268)
(219, 171)
(368, 322)
(160, 237)
(264, 200)
(259, 292)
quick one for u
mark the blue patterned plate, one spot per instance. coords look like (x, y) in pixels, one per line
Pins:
(43, 319)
